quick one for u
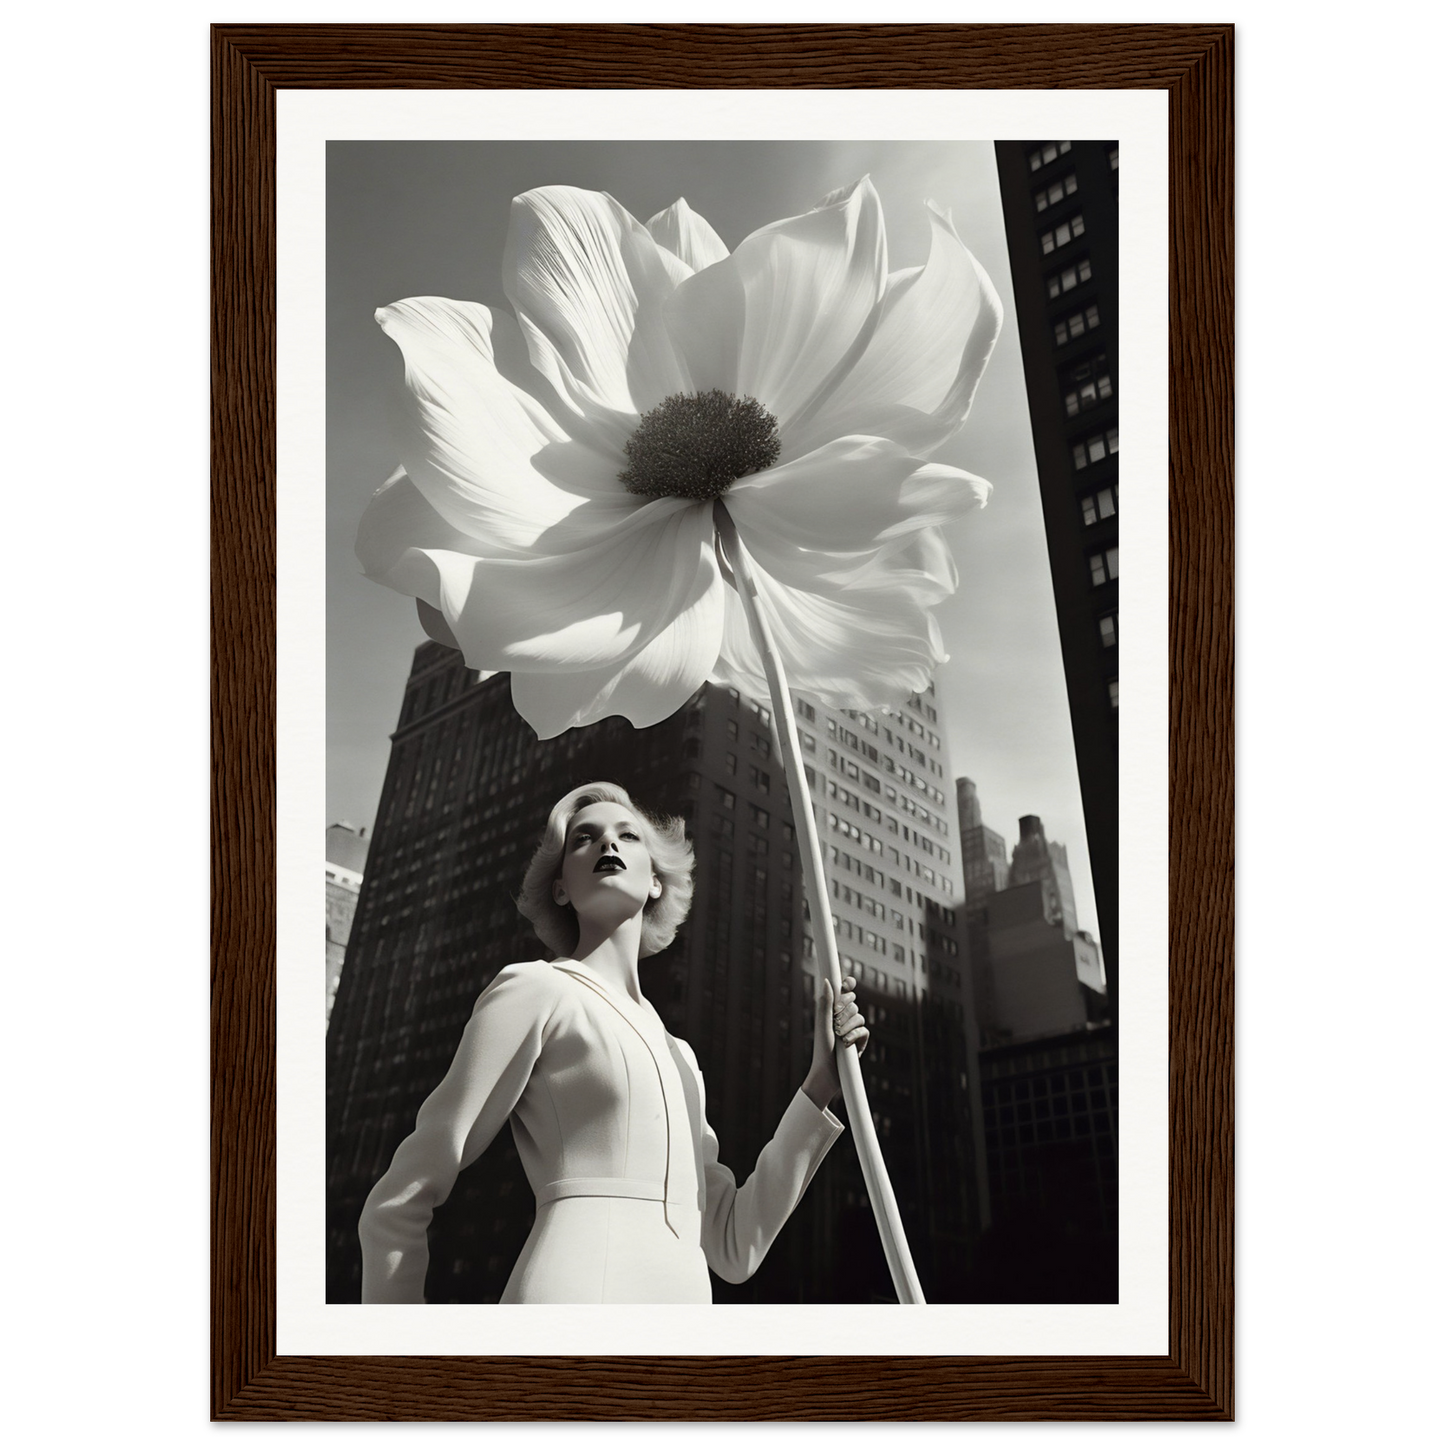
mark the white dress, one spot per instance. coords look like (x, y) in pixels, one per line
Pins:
(608, 1112)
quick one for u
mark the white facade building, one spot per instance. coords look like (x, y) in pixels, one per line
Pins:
(883, 796)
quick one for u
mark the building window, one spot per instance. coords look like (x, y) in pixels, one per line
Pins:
(1109, 630)
(1086, 383)
(1051, 195)
(1070, 328)
(1113, 692)
(761, 781)
(1095, 448)
(1114, 159)
(1100, 505)
(1049, 152)
(1061, 234)
(1104, 566)
(1091, 393)
(725, 799)
(1069, 277)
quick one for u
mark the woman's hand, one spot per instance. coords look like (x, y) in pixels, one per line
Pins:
(841, 1021)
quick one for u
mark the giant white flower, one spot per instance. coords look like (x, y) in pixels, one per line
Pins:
(553, 515)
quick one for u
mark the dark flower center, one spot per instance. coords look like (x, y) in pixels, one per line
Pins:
(698, 446)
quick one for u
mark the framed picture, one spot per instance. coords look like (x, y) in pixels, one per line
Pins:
(268, 78)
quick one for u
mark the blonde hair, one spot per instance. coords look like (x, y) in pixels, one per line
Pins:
(667, 846)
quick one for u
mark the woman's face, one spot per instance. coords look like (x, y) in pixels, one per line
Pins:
(606, 869)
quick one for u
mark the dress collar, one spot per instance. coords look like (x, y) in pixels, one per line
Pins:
(614, 995)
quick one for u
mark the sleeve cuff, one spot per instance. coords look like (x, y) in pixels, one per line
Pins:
(805, 1114)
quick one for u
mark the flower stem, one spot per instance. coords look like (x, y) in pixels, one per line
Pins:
(870, 1156)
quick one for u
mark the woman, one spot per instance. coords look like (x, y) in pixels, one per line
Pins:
(607, 1108)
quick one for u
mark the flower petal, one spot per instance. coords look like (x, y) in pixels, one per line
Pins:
(588, 282)
(687, 235)
(399, 520)
(923, 563)
(776, 318)
(484, 452)
(850, 647)
(648, 688)
(434, 624)
(633, 618)
(855, 629)
(851, 495)
(916, 377)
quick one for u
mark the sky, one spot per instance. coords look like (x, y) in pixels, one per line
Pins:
(430, 218)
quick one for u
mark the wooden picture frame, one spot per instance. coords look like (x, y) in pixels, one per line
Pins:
(1195, 1380)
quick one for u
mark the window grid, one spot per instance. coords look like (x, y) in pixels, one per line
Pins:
(1070, 328)
(1090, 394)
(1095, 448)
(1100, 505)
(1051, 195)
(1104, 566)
(1069, 277)
(1049, 152)
(1061, 234)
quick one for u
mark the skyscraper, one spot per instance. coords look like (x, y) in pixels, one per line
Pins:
(983, 852)
(895, 873)
(1034, 970)
(1051, 1122)
(467, 790)
(1036, 859)
(1048, 1079)
(346, 848)
(1061, 215)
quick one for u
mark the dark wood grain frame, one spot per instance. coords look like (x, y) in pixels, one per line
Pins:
(1194, 63)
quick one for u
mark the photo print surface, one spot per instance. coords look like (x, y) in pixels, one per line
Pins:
(968, 829)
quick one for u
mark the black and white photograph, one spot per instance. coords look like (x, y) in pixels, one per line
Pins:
(722, 700)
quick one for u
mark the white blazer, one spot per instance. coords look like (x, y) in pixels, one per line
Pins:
(608, 1112)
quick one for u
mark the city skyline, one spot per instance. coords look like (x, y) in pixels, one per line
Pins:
(409, 219)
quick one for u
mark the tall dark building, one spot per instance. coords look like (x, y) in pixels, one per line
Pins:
(1061, 215)
(467, 790)
(1048, 1073)
(346, 848)
(984, 852)
(1037, 859)
(1051, 1122)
